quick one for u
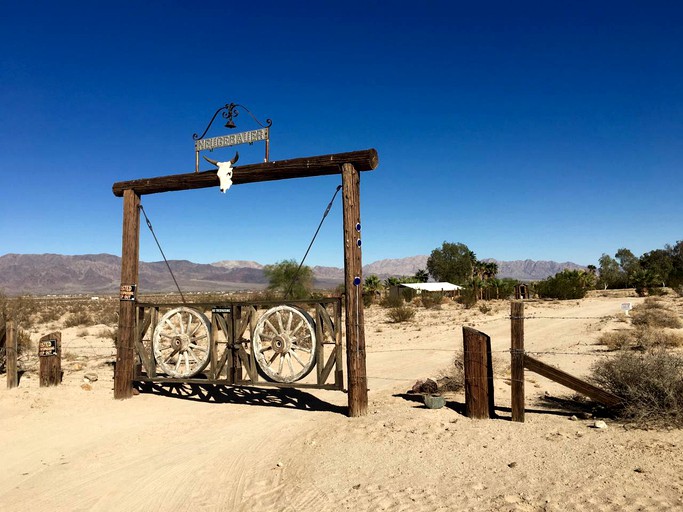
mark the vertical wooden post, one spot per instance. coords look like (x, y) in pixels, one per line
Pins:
(11, 355)
(50, 363)
(339, 372)
(479, 401)
(353, 279)
(517, 368)
(130, 254)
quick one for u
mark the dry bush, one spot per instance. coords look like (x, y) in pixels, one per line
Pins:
(78, 318)
(650, 383)
(82, 333)
(453, 379)
(48, 314)
(653, 313)
(485, 308)
(642, 338)
(400, 314)
(391, 302)
(431, 300)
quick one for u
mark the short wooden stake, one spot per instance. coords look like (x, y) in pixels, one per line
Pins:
(479, 402)
(11, 355)
(517, 366)
(50, 355)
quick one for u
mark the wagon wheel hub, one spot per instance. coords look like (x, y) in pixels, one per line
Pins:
(180, 342)
(282, 344)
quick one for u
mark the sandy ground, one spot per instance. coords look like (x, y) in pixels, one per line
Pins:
(69, 448)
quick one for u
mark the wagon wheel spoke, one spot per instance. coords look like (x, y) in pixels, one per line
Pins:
(293, 354)
(301, 324)
(289, 321)
(272, 327)
(283, 343)
(175, 351)
(181, 342)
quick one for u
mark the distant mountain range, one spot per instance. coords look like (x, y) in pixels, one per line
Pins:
(43, 274)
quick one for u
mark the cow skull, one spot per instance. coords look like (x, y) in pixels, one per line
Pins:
(224, 171)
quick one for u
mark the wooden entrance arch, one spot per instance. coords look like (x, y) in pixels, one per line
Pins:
(349, 165)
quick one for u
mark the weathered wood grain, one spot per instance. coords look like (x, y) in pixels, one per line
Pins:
(323, 165)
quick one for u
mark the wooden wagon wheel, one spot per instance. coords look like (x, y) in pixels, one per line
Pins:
(181, 342)
(284, 343)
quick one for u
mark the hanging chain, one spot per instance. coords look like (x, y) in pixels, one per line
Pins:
(149, 225)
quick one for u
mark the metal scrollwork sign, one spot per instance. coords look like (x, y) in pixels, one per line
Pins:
(230, 111)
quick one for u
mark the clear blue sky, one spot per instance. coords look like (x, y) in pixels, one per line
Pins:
(541, 130)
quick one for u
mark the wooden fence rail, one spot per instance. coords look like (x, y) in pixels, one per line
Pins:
(520, 361)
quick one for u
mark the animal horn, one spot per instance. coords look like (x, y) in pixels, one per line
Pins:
(237, 157)
(210, 161)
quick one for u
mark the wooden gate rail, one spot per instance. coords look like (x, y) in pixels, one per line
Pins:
(231, 360)
(520, 361)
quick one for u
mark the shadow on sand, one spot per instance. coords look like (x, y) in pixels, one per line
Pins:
(549, 406)
(266, 397)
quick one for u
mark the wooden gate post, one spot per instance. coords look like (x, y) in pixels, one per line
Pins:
(479, 401)
(517, 366)
(353, 279)
(130, 253)
(11, 355)
(50, 355)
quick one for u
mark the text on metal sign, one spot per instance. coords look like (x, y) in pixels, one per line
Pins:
(232, 140)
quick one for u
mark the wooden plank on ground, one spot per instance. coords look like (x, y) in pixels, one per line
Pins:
(578, 385)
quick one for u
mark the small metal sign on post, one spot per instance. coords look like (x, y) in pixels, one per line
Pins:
(127, 292)
(47, 348)
(230, 111)
(626, 307)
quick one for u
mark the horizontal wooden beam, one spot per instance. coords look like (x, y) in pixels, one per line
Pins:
(323, 165)
(581, 386)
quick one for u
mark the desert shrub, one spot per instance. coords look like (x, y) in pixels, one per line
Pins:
(485, 308)
(431, 299)
(679, 290)
(82, 333)
(453, 378)
(392, 302)
(78, 318)
(400, 314)
(49, 314)
(617, 340)
(650, 383)
(642, 338)
(19, 309)
(653, 314)
(467, 297)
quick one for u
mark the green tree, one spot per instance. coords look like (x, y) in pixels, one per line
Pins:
(568, 284)
(372, 284)
(628, 262)
(676, 254)
(659, 262)
(422, 276)
(453, 262)
(611, 275)
(284, 278)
